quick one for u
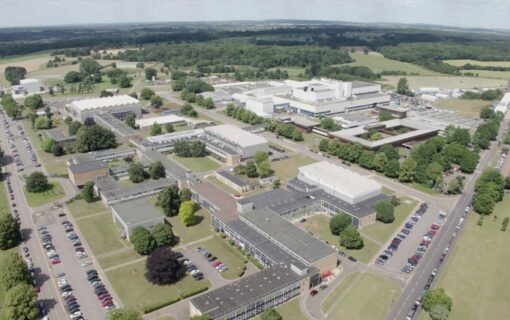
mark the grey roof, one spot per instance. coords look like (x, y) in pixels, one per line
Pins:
(106, 183)
(244, 291)
(58, 135)
(232, 178)
(86, 166)
(173, 169)
(361, 84)
(137, 190)
(287, 235)
(120, 128)
(137, 211)
(358, 210)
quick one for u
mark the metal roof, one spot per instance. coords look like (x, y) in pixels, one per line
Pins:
(241, 137)
(232, 178)
(96, 103)
(137, 211)
(86, 166)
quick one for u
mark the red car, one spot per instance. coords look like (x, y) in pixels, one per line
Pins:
(106, 303)
(313, 292)
(55, 261)
(434, 226)
(216, 263)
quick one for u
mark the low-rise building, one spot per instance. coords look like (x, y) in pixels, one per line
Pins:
(118, 106)
(122, 131)
(60, 137)
(82, 172)
(165, 119)
(128, 215)
(28, 87)
(237, 183)
(351, 120)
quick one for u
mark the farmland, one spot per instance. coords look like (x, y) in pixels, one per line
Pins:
(446, 82)
(378, 63)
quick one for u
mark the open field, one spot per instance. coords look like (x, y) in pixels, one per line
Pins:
(467, 108)
(337, 292)
(318, 225)
(289, 310)
(227, 254)
(136, 292)
(192, 233)
(378, 63)
(100, 233)
(476, 273)
(30, 62)
(461, 62)
(288, 169)
(446, 82)
(490, 74)
(371, 297)
(293, 72)
(36, 199)
(80, 208)
(382, 232)
(202, 164)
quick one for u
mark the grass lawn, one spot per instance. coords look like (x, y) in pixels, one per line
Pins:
(192, 233)
(468, 108)
(81, 208)
(490, 73)
(289, 310)
(476, 274)
(4, 204)
(337, 292)
(445, 82)
(100, 233)
(378, 63)
(202, 164)
(319, 226)
(54, 192)
(312, 139)
(387, 191)
(292, 71)
(371, 297)
(381, 231)
(288, 169)
(119, 258)
(425, 189)
(227, 254)
(136, 292)
(461, 62)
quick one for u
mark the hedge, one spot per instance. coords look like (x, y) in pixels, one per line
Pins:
(156, 306)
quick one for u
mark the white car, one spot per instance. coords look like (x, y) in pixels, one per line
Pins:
(194, 271)
(86, 264)
(51, 252)
(67, 293)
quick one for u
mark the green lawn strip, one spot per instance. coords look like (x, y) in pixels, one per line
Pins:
(136, 292)
(4, 203)
(193, 233)
(424, 189)
(365, 254)
(81, 208)
(289, 310)
(338, 291)
(118, 259)
(54, 192)
(461, 62)
(383, 231)
(387, 191)
(288, 169)
(476, 274)
(100, 233)
(371, 297)
(201, 164)
(225, 253)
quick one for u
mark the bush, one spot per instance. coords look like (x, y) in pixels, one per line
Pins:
(350, 238)
(385, 211)
(37, 182)
(156, 306)
(339, 222)
(504, 224)
(193, 292)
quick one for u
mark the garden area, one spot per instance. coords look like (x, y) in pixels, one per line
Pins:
(53, 192)
(197, 231)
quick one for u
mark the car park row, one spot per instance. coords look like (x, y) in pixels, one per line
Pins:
(213, 260)
(103, 296)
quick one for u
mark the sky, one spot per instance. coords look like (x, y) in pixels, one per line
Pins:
(489, 14)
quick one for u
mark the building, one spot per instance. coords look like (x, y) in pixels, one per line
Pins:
(135, 213)
(237, 183)
(339, 182)
(396, 111)
(122, 131)
(60, 137)
(351, 120)
(170, 119)
(503, 104)
(82, 172)
(249, 296)
(118, 106)
(141, 190)
(394, 132)
(28, 87)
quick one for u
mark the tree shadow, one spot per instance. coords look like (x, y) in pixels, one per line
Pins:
(198, 220)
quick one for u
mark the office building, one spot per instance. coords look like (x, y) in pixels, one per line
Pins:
(118, 106)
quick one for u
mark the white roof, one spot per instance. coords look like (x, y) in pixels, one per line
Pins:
(504, 103)
(339, 179)
(147, 122)
(27, 81)
(96, 103)
(240, 136)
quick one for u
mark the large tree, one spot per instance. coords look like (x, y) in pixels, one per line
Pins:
(123, 314)
(34, 102)
(339, 222)
(156, 129)
(439, 312)
(9, 231)
(162, 267)
(157, 170)
(136, 172)
(392, 169)
(14, 74)
(21, 303)
(483, 203)
(87, 192)
(89, 67)
(156, 101)
(13, 270)
(187, 212)
(147, 93)
(37, 182)
(185, 194)
(130, 120)
(251, 169)
(150, 73)
(350, 238)
(142, 241)
(380, 161)
(169, 200)
(73, 127)
(385, 212)
(264, 169)
(163, 234)
(436, 297)
(270, 314)
(94, 137)
(407, 171)
(73, 77)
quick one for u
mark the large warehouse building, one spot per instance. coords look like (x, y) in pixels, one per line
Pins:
(241, 141)
(118, 106)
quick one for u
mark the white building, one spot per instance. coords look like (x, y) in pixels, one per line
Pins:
(172, 119)
(339, 182)
(504, 104)
(28, 87)
(351, 120)
(230, 137)
(118, 106)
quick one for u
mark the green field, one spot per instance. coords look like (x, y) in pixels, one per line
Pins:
(136, 292)
(378, 63)
(289, 310)
(467, 108)
(80, 208)
(4, 202)
(36, 199)
(288, 169)
(227, 254)
(371, 297)
(445, 82)
(293, 72)
(100, 233)
(461, 62)
(382, 232)
(192, 233)
(334, 295)
(202, 164)
(490, 73)
(476, 273)
(118, 258)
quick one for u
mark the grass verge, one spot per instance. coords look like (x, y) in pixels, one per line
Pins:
(288, 169)
(192, 233)
(81, 208)
(202, 164)
(337, 292)
(36, 199)
(100, 233)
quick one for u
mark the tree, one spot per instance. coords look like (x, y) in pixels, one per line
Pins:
(136, 172)
(366, 160)
(260, 156)
(392, 169)
(140, 65)
(297, 136)
(123, 314)
(483, 203)
(94, 137)
(390, 151)
(124, 82)
(163, 234)
(439, 312)
(385, 116)
(434, 175)
(156, 101)
(34, 102)
(385, 212)
(276, 183)
(13, 270)
(89, 67)
(187, 213)
(47, 144)
(403, 87)
(162, 267)
(169, 200)
(9, 231)
(21, 303)
(57, 150)
(487, 113)
(270, 314)
(198, 149)
(104, 94)
(251, 169)
(455, 186)
(130, 120)
(37, 182)
(42, 123)
(264, 169)
(73, 77)
(156, 129)
(329, 124)
(507, 183)
(169, 128)
(380, 161)
(150, 73)
(157, 170)
(14, 74)
(87, 192)
(11, 107)
(350, 238)
(407, 171)
(147, 93)
(339, 222)
(142, 241)
(324, 145)
(436, 297)
(73, 127)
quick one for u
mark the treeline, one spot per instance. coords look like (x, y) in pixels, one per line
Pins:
(345, 73)
(469, 66)
(487, 95)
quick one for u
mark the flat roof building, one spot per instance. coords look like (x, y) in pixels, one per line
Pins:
(171, 119)
(118, 106)
(351, 120)
(28, 87)
(82, 172)
(121, 130)
(135, 213)
(243, 142)
(60, 137)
